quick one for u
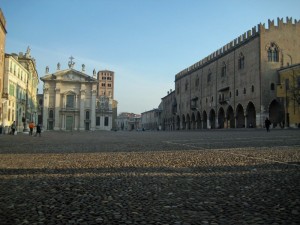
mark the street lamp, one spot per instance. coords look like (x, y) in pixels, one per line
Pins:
(287, 116)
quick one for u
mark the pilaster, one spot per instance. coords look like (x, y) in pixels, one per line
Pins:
(81, 113)
(93, 110)
(57, 108)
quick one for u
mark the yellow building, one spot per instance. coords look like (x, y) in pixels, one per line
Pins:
(20, 84)
(3, 96)
(288, 91)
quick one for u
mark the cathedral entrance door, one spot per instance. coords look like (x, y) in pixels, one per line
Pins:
(69, 122)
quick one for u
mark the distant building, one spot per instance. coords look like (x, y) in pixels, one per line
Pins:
(3, 95)
(151, 120)
(235, 86)
(20, 85)
(128, 121)
(105, 90)
(105, 87)
(169, 109)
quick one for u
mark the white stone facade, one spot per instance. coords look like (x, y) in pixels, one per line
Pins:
(69, 101)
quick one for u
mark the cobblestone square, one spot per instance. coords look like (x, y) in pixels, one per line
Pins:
(239, 176)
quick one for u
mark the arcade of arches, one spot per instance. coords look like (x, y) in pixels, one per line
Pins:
(241, 117)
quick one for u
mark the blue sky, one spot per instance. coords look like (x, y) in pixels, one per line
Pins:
(145, 42)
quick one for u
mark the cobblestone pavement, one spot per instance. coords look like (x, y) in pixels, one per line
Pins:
(245, 176)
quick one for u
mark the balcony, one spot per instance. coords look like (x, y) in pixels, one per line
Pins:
(223, 101)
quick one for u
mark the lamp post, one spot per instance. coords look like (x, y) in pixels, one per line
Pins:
(287, 116)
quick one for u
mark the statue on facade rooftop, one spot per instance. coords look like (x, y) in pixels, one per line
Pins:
(71, 62)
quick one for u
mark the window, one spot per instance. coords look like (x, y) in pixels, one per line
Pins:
(197, 82)
(273, 53)
(237, 93)
(244, 91)
(186, 85)
(97, 121)
(103, 84)
(252, 88)
(106, 121)
(50, 114)
(241, 62)
(298, 81)
(223, 70)
(109, 85)
(70, 101)
(209, 76)
(272, 87)
(87, 115)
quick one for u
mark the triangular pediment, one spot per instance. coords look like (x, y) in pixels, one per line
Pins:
(69, 75)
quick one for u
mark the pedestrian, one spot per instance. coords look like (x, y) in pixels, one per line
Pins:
(267, 124)
(31, 126)
(38, 130)
(13, 128)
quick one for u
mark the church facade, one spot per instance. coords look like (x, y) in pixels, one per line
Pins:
(70, 102)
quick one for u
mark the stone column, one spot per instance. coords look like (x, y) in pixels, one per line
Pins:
(57, 108)
(93, 108)
(63, 125)
(81, 111)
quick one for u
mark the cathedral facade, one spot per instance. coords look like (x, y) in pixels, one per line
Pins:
(235, 86)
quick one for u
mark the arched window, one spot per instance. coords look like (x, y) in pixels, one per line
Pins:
(252, 88)
(197, 81)
(272, 87)
(244, 91)
(186, 85)
(223, 70)
(237, 92)
(241, 62)
(87, 115)
(209, 76)
(70, 101)
(273, 53)
(51, 114)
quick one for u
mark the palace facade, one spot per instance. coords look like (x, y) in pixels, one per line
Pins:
(20, 87)
(235, 86)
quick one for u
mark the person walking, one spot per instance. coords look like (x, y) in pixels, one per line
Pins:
(31, 126)
(38, 130)
(267, 124)
(13, 128)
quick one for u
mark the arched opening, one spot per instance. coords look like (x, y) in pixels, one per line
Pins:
(183, 123)
(212, 119)
(188, 122)
(240, 117)
(198, 120)
(204, 120)
(251, 115)
(177, 123)
(276, 113)
(193, 121)
(221, 118)
(230, 117)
